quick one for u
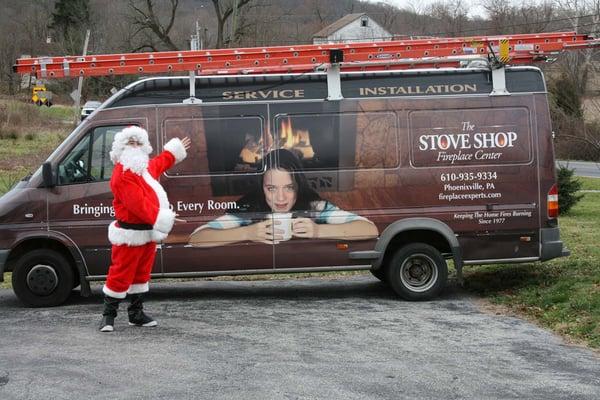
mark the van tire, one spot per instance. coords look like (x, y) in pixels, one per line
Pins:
(417, 271)
(42, 278)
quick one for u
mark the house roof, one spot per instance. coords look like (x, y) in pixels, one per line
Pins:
(337, 25)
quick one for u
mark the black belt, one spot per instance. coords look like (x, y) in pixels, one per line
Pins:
(135, 227)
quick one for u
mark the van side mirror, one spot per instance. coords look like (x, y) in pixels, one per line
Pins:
(48, 175)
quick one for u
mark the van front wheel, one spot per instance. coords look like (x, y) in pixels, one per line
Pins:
(42, 278)
(417, 272)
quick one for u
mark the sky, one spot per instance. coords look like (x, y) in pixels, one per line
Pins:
(420, 5)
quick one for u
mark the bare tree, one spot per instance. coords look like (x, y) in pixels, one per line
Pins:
(577, 66)
(146, 20)
(575, 69)
(501, 16)
(23, 30)
(452, 17)
(224, 10)
(536, 18)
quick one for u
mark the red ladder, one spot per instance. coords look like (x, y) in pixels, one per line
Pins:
(400, 54)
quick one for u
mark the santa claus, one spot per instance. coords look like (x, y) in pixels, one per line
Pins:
(143, 218)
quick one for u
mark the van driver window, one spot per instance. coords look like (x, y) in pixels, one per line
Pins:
(89, 163)
(75, 167)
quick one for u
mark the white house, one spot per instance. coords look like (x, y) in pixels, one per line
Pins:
(352, 28)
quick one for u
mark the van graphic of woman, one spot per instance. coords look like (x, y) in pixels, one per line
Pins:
(284, 189)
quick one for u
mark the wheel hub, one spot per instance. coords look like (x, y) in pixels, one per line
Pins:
(42, 279)
(418, 272)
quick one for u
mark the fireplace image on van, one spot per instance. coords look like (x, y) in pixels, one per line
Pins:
(297, 141)
(314, 139)
(333, 149)
(282, 207)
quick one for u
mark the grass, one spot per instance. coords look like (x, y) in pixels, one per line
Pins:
(589, 183)
(28, 134)
(561, 294)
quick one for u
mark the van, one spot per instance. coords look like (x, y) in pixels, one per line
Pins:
(437, 164)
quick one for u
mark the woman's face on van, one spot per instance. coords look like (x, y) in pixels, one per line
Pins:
(280, 190)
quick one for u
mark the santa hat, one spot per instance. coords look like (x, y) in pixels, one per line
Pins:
(122, 137)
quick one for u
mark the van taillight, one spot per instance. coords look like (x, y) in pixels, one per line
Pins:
(553, 202)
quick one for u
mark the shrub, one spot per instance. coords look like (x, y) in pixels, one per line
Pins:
(7, 181)
(9, 133)
(566, 96)
(568, 186)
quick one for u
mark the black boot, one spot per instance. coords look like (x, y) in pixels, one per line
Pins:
(136, 312)
(111, 305)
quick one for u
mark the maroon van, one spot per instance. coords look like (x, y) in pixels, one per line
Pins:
(395, 173)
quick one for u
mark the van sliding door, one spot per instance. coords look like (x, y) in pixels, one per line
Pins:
(217, 189)
(331, 206)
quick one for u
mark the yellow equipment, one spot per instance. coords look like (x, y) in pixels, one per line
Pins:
(40, 95)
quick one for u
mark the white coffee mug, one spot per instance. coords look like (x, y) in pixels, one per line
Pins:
(284, 224)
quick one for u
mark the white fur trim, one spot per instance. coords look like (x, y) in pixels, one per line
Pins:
(158, 236)
(138, 288)
(122, 137)
(164, 220)
(163, 201)
(130, 237)
(175, 147)
(112, 293)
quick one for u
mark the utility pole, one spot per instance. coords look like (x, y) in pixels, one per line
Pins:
(197, 40)
(200, 33)
(234, 21)
(80, 82)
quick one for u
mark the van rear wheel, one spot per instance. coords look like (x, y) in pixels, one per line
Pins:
(417, 271)
(42, 278)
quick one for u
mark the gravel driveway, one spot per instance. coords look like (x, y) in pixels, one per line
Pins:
(346, 338)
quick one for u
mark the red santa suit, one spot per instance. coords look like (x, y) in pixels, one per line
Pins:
(141, 208)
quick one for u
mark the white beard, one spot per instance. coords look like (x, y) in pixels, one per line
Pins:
(134, 159)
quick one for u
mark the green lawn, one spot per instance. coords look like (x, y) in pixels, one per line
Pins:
(28, 134)
(561, 294)
(589, 183)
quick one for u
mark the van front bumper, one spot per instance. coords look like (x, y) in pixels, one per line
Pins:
(3, 258)
(552, 246)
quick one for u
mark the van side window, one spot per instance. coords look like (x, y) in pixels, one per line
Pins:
(363, 140)
(89, 161)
